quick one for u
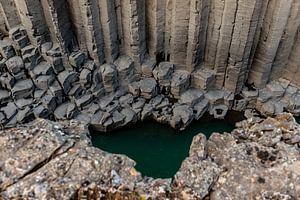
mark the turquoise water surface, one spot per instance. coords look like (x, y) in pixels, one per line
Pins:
(157, 149)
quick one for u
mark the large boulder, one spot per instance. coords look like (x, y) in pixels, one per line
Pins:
(148, 88)
(180, 82)
(22, 89)
(110, 77)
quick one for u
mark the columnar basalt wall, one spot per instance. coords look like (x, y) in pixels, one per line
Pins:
(171, 60)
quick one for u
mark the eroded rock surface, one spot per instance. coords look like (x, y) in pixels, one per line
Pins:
(260, 159)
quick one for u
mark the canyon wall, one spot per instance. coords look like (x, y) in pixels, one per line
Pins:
(240, 40)
(89, 48)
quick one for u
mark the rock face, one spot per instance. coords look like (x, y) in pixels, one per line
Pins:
(260, 159)
(170, 55)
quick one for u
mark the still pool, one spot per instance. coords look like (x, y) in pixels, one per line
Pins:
(158, 149)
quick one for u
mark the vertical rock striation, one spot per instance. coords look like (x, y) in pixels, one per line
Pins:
(170, 60)
(272, 31)
(179, 32)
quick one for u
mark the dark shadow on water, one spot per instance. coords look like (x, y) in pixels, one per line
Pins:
(158, 149)
(298, 120)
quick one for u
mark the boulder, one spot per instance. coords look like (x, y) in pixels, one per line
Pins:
(109, 77)
(66, 110)
(67, 79)
(126, 100)
(268, 108)
(31, 56)
(147, 112)
(49, 101)
(200, 108)
(4, 96)
(9, 111)
(218, 111)
(125, 67)
(56, 90)
(15, 65)
(85, 77)
(77, 59)
(83, 118)
(6, 48)
(191, 97)
(148, 67)
(182, 116)
(148, 88)
(56, 63)
(180, 82)
(43, 82)
(41, 111)
(23, 89)
(84, 100)
(90, 65)
(215, 96)
(42, 68)
(163, 73)
(7, 80)
(118, 120)
(46, 46)
(25, 115)
(22, 103)
(203, 79)
(276, 89)
(91, 109)
(134, 88)
(156, 100)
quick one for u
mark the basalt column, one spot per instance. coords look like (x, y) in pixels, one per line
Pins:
(224, 41)
(245, 25)
(58, 21)
(133, 38)
(179, 33)
(3, 29)
(110, 29)
(272, 30)
(32, 17)
(10, 13)
(92, 30)
(167, 35)
(78, 22)
(287, 41)
(292, 69)
(155, 18)
(199, 13)
(213, 32)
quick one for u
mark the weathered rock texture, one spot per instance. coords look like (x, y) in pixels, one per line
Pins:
(114, 62)
(47, 160)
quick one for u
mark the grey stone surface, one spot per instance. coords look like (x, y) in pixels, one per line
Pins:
(180, 82)
(15, 65)
(163, 73)
(109, 77)
(23, 88)
(182, 116)
(65, 111)
(203, 79)
(148, 88)
(191, 97)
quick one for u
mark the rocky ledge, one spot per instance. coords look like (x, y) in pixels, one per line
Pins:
(260, 159)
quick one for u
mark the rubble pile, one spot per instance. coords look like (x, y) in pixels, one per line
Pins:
(39, 82)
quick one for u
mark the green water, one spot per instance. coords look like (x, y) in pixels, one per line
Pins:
(157, 149)
(298, 120)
